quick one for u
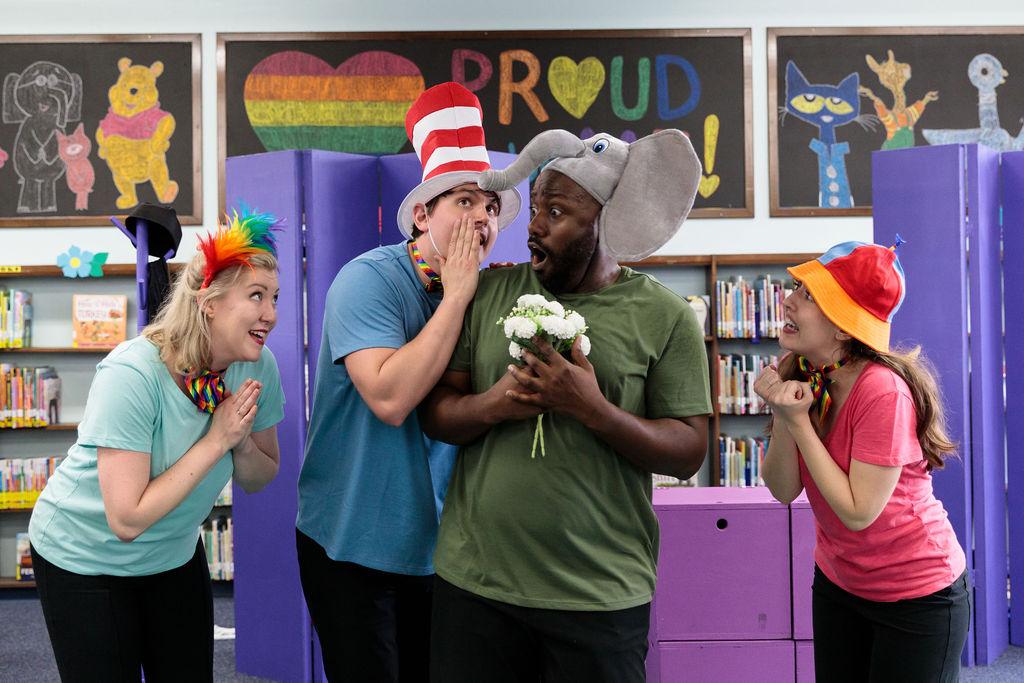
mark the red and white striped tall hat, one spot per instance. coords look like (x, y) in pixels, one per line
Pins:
(445, 126)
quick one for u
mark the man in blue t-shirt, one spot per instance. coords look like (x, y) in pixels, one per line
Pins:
(372, 485)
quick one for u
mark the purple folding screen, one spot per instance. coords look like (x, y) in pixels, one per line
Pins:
(272, 627)
(1013, 275)
(943, 200)
(335, 206)
(341, 202)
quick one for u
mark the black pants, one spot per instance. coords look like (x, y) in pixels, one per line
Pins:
(373, 625)
(105, 628)
(909, 640)
(475, 639)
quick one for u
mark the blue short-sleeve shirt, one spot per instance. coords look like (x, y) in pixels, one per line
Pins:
(370, 493)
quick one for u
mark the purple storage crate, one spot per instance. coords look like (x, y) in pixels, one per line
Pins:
(722, 661)
(805, 661)
(723, 572)
(802, 535)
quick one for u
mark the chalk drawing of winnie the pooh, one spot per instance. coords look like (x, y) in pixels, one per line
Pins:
(135, 134)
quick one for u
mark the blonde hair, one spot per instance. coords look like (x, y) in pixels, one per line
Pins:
(180, 330)
(918, 372)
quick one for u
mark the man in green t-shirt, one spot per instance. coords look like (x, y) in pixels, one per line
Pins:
(546, 566)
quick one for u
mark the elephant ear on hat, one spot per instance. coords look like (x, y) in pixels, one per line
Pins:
(653, 196)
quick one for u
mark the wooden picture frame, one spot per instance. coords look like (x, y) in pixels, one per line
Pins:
(72, 156)
(938, 100)
(599, 81)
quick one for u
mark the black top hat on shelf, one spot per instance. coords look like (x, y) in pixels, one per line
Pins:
(164, 229)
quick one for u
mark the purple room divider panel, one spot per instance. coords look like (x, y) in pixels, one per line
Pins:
(988, 419)
(923, 194)
(1013, 275)
(272, 627)
(341, 202)
(399, 173)
(349, 203)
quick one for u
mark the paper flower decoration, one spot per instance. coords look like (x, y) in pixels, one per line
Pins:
(77, 263)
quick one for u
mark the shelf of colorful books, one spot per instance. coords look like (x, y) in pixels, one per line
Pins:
(741, 459)
(738, 298)
(55, 350)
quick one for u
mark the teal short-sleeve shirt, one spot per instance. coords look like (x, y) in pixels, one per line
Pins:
(135, 405)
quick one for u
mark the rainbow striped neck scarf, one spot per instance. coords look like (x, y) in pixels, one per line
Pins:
(206, 389)
(816, 377)
(434, 284)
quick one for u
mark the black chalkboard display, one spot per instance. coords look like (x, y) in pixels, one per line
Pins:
(350, 92)
(93, 125)
(838, 94)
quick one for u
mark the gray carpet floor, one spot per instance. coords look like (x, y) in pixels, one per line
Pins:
(25, 655)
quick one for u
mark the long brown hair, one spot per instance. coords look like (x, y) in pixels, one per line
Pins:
(914, 368)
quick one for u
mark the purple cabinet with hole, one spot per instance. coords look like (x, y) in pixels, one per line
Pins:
(805, 661)
(802, 533)
(724, 661)
(723, 571)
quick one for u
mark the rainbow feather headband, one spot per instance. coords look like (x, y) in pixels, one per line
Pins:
(237, 241)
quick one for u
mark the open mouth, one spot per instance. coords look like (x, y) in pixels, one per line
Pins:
(790, 327)
(537, 255)
(260, 336)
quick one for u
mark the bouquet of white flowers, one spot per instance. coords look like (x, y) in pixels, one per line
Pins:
(535, 316)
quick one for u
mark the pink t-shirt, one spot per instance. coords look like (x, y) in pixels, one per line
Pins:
(911, 549)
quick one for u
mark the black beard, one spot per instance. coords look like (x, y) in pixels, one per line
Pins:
(567, 269)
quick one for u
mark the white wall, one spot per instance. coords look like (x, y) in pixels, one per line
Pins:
(752, 235)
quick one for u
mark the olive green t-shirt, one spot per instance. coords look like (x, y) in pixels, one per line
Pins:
(573, 530)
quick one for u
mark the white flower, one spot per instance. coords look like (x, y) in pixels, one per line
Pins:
(577, 322)
(555, 308)
(556, 327)
(528, 300)
(515, 350)
(585, 344)
(517, 327)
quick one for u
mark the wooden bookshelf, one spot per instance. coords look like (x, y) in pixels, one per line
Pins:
(59, 427)
(711, 264)
(109, 270)
(56, 349)
(10, 582)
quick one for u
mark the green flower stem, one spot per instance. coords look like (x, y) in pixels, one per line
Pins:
(540, 426)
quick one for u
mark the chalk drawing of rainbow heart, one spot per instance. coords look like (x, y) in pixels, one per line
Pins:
(295, 100)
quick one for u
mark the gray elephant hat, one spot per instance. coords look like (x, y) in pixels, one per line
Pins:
(646, 189)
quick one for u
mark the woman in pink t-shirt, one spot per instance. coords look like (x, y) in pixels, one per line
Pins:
(861, 427)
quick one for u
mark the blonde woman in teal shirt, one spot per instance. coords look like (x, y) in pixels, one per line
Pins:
(171, 416)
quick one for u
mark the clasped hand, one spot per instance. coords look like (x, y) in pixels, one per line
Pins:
(789, 400)
(234, 416)
(552, 383)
